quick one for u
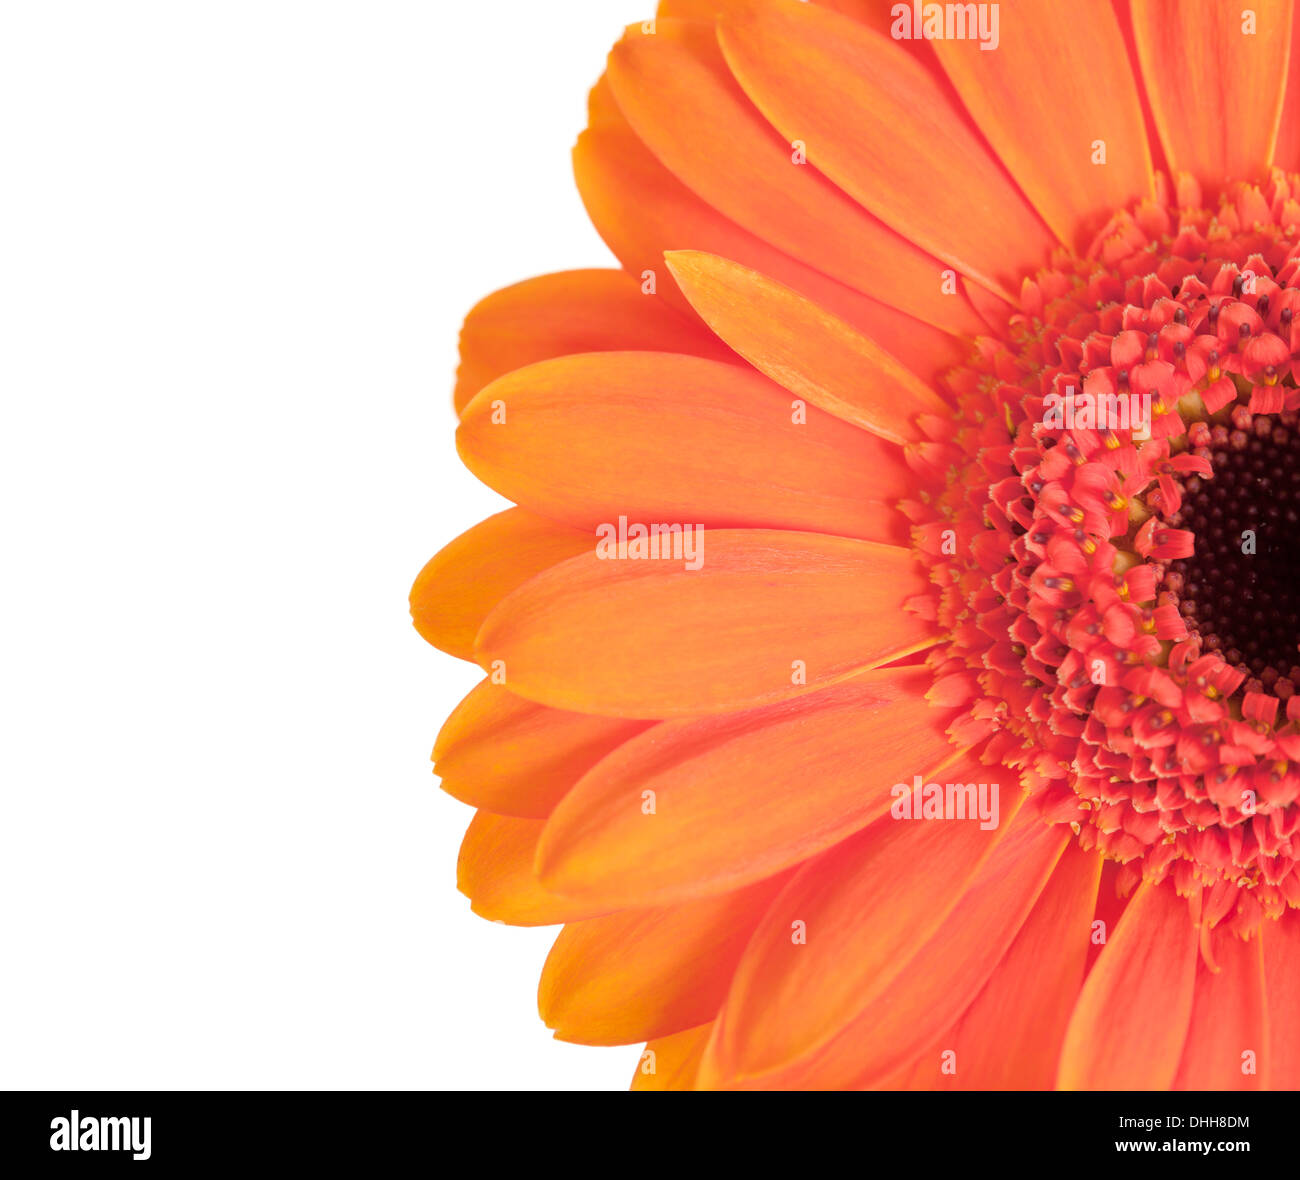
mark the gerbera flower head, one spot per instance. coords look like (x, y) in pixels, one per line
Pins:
(975, 709)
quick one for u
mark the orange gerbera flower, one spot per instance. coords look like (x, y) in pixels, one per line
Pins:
(893, 654)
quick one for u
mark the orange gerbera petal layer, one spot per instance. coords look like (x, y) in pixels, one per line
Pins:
(769, 615)
(645, 973)
(515, 757)
(812, 354)
(934, 955)
(864, 911)
(1115, 1042)
(1010, 1037)
(1287, 152)
(931, 988)
(574, 311)
(659, 437)
(1215, 76)
(463, 582)
(1085, 120)
(1281, 956)
(641, 210)
(734, 160)
(1227, 1033)
(495, 872)
(638, 829)
(886, 131)
(671, 1063)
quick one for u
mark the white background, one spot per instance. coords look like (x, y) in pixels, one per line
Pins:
(236, 243)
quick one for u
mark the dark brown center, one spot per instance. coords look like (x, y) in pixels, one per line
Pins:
(1240, 590)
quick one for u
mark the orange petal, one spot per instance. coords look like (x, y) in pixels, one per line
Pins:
(495, 871)
(679, 97)
(939, 982)
(640, 209)
(1010, 1037)
(1227, 1036)
(807, 350)
(889, 133)
(706, 10)
(946, 975)
(1111, 904)
(866, 908)
(724, 812)
(455, 591)
(514, 757)
(1287, 152)
(921, 1073)
(663, 438)
(1215, 89)
(640, 974)
(670, 1063)
(881, 15)
(875, 14)
(1281, 948)
(1128, 1028)
(770, 615)
(1077, 70)
(994, 310)
(573, 311)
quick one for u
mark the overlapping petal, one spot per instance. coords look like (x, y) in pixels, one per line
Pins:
(573, 311)
(733, 159)
(770, 615)
(1129, 1026)
(784, 782)
(1215, 77)
(1078, 147)
(888, 133)
(664, 438)
(515, 757)
(809, 352)
(841, 933)
(463, 582)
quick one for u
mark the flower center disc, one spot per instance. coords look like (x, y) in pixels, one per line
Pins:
(1240, 590)
(1120, 594)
